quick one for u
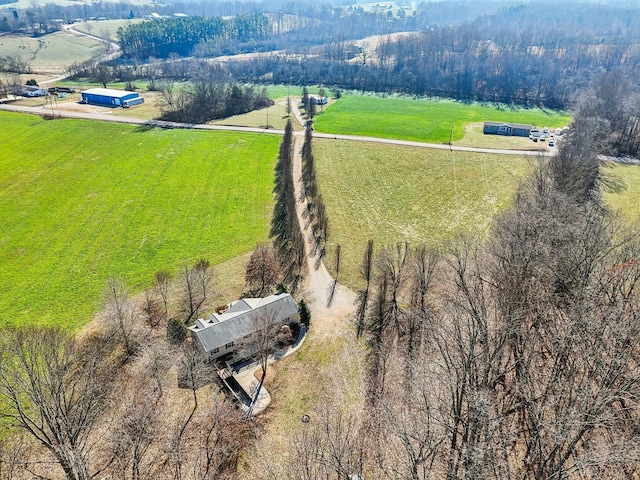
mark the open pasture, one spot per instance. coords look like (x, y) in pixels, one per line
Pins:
(81, 201)
(421, 119)
(626, 201)
(51, 53)
(422, 196)
(106, 29)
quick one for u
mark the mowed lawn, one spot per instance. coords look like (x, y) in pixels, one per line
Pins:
(422, 196)
(421, 119)
(81, 201)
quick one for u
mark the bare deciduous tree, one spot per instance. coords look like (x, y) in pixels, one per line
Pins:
(53, 390)
(121, 315)
(331, 445)
(262, 273)
(222, 434)
(334, 284)
(162, 285)
(196, 288)
(152, 309)
(138, 427)
(366, 271)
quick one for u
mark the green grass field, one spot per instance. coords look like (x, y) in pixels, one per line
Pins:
(426, 197)
(51, 53)
(81, 201)
(277, 117)
(627, 202)
(105, 28)
(294, 91)
(420, 119)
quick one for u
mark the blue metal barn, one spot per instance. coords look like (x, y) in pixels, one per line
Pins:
(110, 97)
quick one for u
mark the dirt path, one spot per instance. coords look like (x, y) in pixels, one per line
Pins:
(326, 321)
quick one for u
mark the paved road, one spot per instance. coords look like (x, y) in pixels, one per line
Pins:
(162, 124)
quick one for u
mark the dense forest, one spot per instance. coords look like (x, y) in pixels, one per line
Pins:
(178, 36)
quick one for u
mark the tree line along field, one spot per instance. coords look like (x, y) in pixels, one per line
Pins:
(422, 119)
(81, 201)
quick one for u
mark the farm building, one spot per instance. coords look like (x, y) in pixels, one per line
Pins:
(234, 328)
(30, 91)
(509, 129)
(317, 99)
(111, 98)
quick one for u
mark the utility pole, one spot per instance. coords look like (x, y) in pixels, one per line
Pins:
(451, 138)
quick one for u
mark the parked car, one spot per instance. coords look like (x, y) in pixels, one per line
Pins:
(551, 142)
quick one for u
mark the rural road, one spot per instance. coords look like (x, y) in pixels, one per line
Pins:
(327, 318)
(106, 117)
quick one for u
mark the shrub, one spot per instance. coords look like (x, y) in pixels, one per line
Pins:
(305, 313)
(176, 331)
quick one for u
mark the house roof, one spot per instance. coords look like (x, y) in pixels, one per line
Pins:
(243, 318)
(108, 92)
(512, 125)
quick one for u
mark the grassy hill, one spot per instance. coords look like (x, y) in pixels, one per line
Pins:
(51, 53)
(81, 201)
(421, 119)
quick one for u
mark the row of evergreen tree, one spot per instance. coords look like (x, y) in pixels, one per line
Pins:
(288, 241)
(315, 208)
(180, 35)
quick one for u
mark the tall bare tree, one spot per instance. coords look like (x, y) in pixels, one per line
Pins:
(197, 287)
(137, 434)
(366, 272)
(262, 272)
(54, 391)
(121, 315)
(162, 285)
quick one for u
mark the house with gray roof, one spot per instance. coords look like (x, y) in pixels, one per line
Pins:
(509, 129)
(233, 328)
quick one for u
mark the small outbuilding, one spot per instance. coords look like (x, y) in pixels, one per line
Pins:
(508, 129)
(317, 99)
(111, 97)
